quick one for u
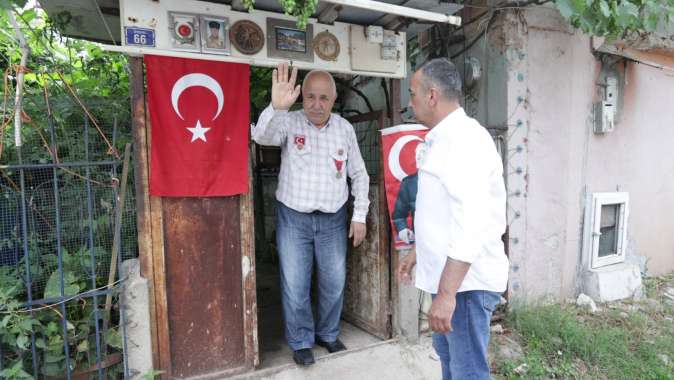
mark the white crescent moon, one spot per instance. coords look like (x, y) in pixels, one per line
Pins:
(196, 79)
(394, 156)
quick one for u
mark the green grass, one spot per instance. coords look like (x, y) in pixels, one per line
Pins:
(566, 342)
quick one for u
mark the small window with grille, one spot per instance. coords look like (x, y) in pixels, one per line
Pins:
(608, 224)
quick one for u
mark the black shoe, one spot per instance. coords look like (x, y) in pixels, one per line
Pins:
(335, 346)
(304, 356)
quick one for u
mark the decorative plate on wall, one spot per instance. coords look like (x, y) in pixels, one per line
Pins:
(326, 46)
(246, 36)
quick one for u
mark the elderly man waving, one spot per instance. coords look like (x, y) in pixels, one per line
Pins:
(319, 150)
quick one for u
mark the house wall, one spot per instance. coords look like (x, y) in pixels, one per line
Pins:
(638, 158)
(540, 80)
(552, 76)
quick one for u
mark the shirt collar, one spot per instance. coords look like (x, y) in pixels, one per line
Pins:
(310, 124)
(453, 117)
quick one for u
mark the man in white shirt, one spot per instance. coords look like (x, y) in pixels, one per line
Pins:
(460, 218)
(318, 151)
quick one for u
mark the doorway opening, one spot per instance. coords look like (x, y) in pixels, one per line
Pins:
(366, 314)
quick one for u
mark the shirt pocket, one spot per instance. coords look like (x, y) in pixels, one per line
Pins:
(300, 155)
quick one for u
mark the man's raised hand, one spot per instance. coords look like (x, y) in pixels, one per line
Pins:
(284, 93)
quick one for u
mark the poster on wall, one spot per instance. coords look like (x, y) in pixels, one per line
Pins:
(401, 146)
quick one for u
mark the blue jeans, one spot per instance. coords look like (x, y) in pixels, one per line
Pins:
(463, 352)
(303, 238)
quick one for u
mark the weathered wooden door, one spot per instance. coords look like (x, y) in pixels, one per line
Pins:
(368, 289)
(198, 255)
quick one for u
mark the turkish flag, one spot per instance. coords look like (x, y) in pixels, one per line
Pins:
(200, 120)
(399, 149)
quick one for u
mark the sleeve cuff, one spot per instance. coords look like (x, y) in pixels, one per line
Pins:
(360, 218)
(467, 253)
(275, 111)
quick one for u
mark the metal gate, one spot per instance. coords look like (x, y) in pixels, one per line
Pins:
(63, 236)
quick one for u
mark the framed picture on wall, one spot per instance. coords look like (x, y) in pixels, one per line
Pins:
(285, 40)
(214, 35)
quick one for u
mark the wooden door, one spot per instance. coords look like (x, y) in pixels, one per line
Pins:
(367, 298)
(198, 256)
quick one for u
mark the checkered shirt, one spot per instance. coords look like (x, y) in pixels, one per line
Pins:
(315, 162)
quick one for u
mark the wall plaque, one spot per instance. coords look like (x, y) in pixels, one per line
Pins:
(326, 46)
(246, 36)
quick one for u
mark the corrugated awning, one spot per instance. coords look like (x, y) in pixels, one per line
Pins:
(99, 20)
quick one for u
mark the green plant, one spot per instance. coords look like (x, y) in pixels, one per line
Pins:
(566, 342)
(616, 18)
(59, 67)
(46, 324)
(151, 374)
(260, 90)
(16, 326)
(301, 9)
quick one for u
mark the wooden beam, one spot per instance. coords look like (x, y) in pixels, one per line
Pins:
(159, 271)
(404, 298)
(141, 171)
(248, 275)
(385, 237)
(262, 61)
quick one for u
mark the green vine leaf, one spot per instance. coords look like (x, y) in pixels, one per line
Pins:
(614, 19)
(22, 342)
(83, 346)
(605, 10)
(15, 372)
(300, 9)
(70, 286)
(114, 339)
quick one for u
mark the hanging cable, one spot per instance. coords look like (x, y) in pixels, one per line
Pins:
(105, 23)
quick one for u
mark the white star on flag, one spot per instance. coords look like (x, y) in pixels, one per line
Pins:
(198, 133)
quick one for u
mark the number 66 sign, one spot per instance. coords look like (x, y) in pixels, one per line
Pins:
(139, 36)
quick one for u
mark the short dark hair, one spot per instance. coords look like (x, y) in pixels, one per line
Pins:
(214, 24)
(442, 73)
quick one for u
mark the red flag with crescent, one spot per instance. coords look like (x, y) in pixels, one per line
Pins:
(200, 119)
(400, 148)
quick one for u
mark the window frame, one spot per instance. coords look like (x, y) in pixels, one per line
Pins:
(621, 199)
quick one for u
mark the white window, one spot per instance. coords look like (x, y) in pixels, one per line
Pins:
(608, 228)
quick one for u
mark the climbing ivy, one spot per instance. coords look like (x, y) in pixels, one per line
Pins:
(301, 9)
(616, 18)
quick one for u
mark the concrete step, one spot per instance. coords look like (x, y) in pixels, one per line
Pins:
(388, 360)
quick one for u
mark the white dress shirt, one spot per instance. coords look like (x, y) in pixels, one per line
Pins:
(315, 162)
(461, 206)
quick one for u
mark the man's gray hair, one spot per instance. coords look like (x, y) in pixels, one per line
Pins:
(442, 74)
(314, 72)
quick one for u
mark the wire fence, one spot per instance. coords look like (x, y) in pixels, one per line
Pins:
(60, 317)
(368, 135)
